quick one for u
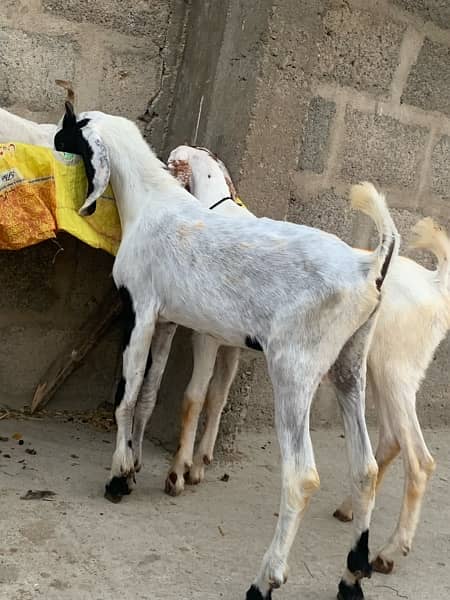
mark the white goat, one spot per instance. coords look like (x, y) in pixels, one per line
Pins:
(304, 296)
(18, 129)
(413, 319)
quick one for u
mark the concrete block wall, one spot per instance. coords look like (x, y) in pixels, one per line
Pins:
(348, 91)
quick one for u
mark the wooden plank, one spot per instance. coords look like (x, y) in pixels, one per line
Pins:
(90, 333)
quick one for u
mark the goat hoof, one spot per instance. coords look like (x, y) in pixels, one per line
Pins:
(174, 484)
(341, 516)
(254, 594)
(350, 592)
(196, 474)
(131, 481)
(382, 565)
(116, 489)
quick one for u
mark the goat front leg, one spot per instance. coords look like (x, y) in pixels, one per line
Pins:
(135, 357)
(205, 350)
(219, 388)
(349, 377)
(159, 353)
(299, 477)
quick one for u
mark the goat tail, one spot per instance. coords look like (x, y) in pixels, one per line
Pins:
(431, 236)
(365, 197)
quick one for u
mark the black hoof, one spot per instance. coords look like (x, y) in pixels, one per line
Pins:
(116, 488)
(350, 592)
(254, 594)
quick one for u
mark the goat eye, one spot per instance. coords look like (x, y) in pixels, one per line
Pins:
(209, 176)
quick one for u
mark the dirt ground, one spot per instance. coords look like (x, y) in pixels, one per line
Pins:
(203, 545)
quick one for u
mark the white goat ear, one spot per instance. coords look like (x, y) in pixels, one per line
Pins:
(81, 137)
(97, 165)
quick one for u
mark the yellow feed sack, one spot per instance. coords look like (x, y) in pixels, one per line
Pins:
(40, 193)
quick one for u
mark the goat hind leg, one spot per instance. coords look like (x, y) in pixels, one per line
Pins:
(349, 377)
(418, 467)
(204, 351)
(159, 353)
(387, 449)
(224, 373)
(299, 477)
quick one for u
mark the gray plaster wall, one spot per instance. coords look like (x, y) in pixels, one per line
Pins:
(299, 97)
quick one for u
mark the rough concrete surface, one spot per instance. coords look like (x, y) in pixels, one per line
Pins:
(381, 149)
(430, 78)
(205, 544)
(357, 48)
(441, 175)
(23, 76)
(316, 135)
(437, 11)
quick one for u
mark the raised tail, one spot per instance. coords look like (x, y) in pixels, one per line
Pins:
(430, 236)
(365, 197)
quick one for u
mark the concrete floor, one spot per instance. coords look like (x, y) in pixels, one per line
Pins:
(204, 545)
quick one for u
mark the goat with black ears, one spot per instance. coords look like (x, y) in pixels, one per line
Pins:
(307, 298)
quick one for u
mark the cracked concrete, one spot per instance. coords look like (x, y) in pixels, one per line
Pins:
(205, 544)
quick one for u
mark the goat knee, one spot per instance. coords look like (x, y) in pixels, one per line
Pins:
(429, 466)
(300, 488)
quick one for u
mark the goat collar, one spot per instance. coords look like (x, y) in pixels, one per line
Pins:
(220, 202)
(236, 200)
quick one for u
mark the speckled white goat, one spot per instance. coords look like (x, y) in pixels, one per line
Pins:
(413, 319)
(304, 296)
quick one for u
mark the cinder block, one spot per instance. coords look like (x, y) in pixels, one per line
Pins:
(381, 149)
(429, 80)
(359, 49)
(134, 17)
(437, 11)
(327, 210)
(125, 77)
(27, 278)
(30, 63)
(316, 133)
(440, 167)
